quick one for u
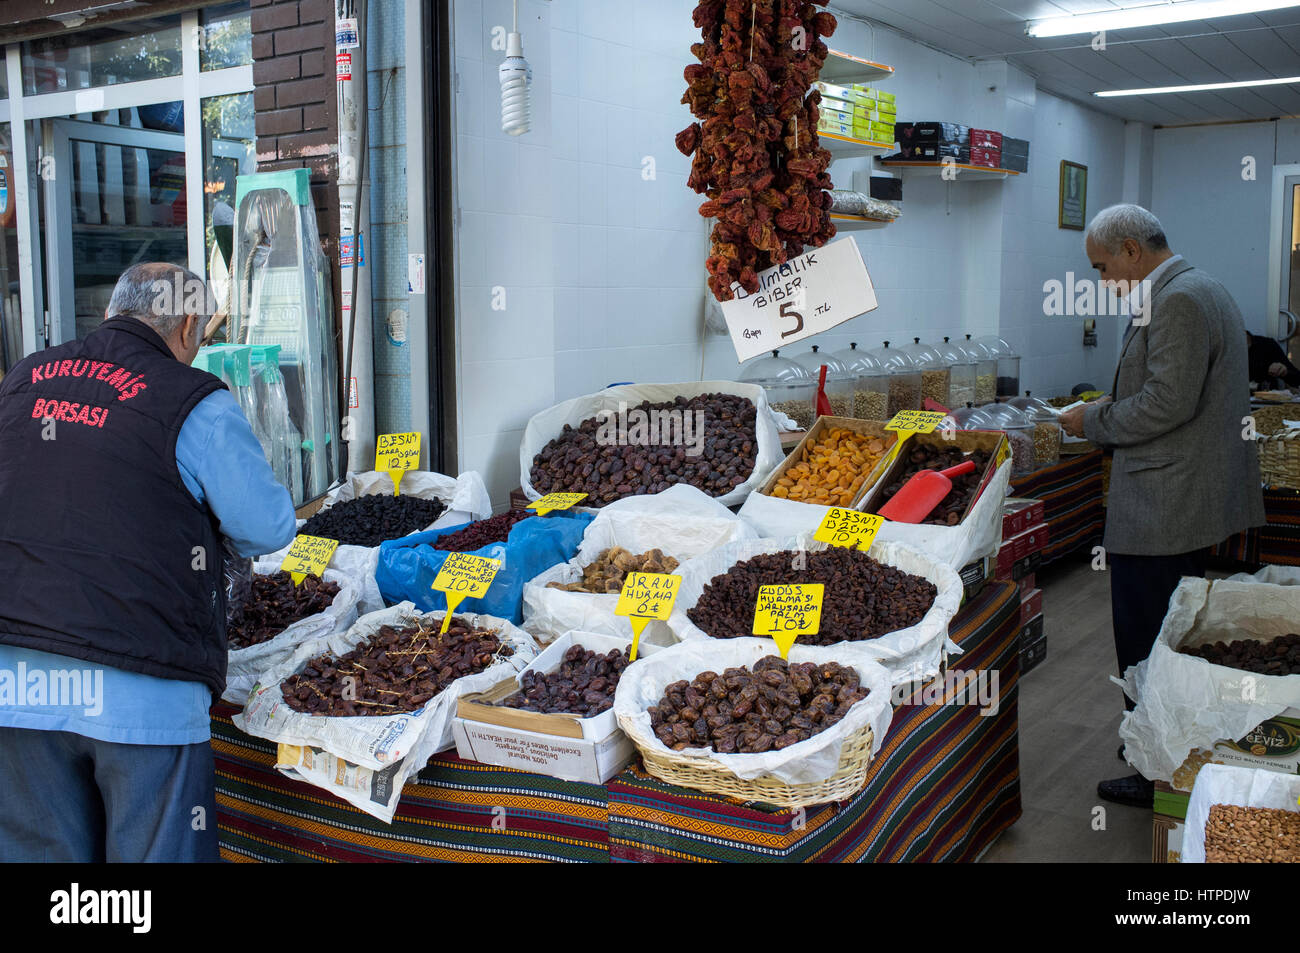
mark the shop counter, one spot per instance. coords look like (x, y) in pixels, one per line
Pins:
(945, 783)
(1071, 492)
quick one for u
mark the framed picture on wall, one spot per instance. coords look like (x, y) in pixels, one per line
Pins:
(1073, 211)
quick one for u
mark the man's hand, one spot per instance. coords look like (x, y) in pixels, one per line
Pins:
(1072, 420)
(1277, 369)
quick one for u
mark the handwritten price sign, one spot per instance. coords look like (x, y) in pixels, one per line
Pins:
(309, 555)
(842, 527)
(908, 422)
(464, 576)
(397, 453)
(646, 596)
(784, 613)
(555, 501)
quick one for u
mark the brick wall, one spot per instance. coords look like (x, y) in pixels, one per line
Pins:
(296, 104)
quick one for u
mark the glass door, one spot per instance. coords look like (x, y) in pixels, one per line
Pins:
(1289, 310)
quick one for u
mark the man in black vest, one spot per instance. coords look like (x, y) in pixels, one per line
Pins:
(121, 468)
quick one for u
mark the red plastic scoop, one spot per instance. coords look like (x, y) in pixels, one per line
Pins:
(922, 493)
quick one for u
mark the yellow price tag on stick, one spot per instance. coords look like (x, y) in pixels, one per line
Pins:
(308, 555)
(462, 576)
(555, 501)
(397, 453)
(841, 527)
(646, 596)
(907, 422)
(785, 612)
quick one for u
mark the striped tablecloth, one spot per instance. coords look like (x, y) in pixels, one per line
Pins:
(944, 784)
(1071, 493)
(1277, 542)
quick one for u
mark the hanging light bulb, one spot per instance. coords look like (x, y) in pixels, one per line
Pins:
(516, 77)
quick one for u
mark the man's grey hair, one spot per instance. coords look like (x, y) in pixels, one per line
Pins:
(1111, 226)
(158, 293)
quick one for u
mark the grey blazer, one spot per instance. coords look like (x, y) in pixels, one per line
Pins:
(1183, 475)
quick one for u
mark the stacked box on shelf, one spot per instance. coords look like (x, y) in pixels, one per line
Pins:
(1015, 154)
(933, 141)
(1022, 553)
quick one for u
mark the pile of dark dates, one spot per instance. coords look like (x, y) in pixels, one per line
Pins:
(584, 460)
(924, 457)
(1280, 656)
(395, 670)
(863, 599)
(274, 604)
(494, 529)
(583, 685)
(369, 520)
(747, 711)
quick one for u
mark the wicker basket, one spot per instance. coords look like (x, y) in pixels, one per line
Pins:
(1279, 460)
(1268, 420)
(702, 775)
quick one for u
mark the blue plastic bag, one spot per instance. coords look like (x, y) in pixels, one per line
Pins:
(408, 566)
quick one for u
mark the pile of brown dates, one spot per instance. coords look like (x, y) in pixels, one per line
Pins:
(583, 685)
(274, 604)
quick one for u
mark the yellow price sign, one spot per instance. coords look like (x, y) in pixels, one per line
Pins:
(908, 422)
(785, 612)
(841, 527)
(462, 576)
(397, 453)
(646, 596)
(555, 501)
(308, 555)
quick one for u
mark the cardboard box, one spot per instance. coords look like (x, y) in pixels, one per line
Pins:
(985, 139)
(832, 91)
(870, 428)
(829, 127)
(882, 131)
(1033, 651)
(985, 158)
(1014, 163)
(1015, 147)
(1169, 823)
(1035, 540)
(885, 188)
(948, 133)
(591, 750)
(1028, 583)
(1022, 554)
(991, 441)
(974, 577)
(835, 115)
(1031, 605)
(884, 97)
(864, 94)
(1273, 745)
(1019, 514)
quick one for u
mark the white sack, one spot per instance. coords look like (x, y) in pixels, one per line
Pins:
(1274, 575)
(546, 426)
(682, 521)
(810, 761)
(908, 654)
(1184, 702)
(1230, 784)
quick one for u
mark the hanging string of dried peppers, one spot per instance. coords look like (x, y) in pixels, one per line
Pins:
(757, 155)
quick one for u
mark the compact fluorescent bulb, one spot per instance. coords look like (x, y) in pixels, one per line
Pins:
(1152, 15)
(516, 98)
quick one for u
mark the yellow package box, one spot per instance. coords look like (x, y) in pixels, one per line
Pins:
(831, 127)
(832, 115)
(835, 92)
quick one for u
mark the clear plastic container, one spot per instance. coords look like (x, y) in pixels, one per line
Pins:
(934, 371)
(1008, 365)
(840, 381)
(787, 385)
(871, 384)
(1020, 433)
(904, 379)
(961, 374)
(1047, 428)
(986, 371)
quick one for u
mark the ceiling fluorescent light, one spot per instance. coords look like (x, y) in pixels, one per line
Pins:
(1200, 87)
(1152, 15)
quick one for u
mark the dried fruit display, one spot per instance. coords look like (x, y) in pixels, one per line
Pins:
(494, 529)
(395, 670)
(924, 457)
(832, 469)
(1280, 656)
(864, 599)
(369, 520)
(1251, 835)
(757, 156)
(610, 569)
(274, 604)
(583, 685)
(586, 460)
(746, 711)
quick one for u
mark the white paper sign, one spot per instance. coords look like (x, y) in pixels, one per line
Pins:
(557, 756)
(415, 274)
(807, 295)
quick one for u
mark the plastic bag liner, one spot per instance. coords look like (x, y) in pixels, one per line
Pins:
(408, 566)
(1229, 784)
(244, 665)
(466, 498)
(978, 535)
(1185, 702)
(682, 521)
(237, 571)
(546, 426)
(1275, 575)
(366, 759)
(909, 654)
(810, 761)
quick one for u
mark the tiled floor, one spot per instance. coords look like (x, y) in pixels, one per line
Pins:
(1069, 718)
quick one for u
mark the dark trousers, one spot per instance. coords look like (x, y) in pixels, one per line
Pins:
(1140, 587)
(74, 799)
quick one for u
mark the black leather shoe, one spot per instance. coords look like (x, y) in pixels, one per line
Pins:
(1135, 791)
(1120, 753)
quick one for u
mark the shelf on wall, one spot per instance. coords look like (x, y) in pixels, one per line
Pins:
(964, 172)
(845, 69)
(845, 147)
(846, 222)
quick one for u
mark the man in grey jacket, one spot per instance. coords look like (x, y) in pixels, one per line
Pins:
(1184, 476)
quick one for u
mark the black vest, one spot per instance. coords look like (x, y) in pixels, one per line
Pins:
(104, 554)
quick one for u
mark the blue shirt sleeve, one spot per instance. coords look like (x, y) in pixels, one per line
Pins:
(222, 464)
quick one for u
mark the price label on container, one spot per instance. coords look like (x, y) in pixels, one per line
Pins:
(783, 613)
(464, 576)
(555, 501)
(397, 453)
(849, 528)
(646, 596)
(308, 555)
(908, 422)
